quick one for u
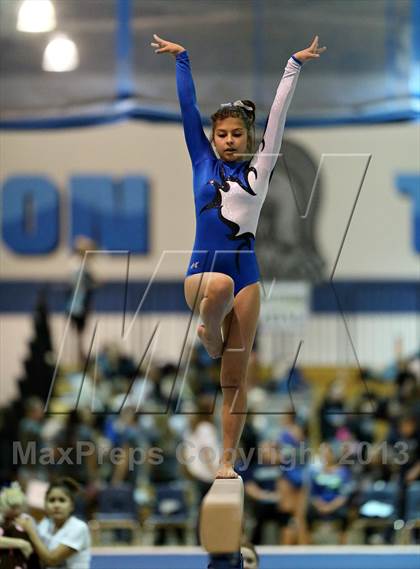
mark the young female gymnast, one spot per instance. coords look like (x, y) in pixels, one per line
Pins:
(222, 280)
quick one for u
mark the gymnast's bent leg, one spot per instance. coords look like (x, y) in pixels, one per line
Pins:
(210, 294)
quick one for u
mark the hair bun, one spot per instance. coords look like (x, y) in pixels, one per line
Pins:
(251, 104)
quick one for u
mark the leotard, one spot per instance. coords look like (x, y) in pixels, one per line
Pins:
(229, 195)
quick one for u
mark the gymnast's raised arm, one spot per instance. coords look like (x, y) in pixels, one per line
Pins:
(198, 145)
(265, 158)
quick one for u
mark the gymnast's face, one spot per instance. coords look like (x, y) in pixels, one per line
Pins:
(230, 139)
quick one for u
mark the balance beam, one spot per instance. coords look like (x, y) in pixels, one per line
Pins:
(221, 522)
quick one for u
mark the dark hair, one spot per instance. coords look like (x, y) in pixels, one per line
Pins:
(237, 111)
(69, 486)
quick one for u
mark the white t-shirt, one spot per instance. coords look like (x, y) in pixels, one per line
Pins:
(202, 451)
(75, 534)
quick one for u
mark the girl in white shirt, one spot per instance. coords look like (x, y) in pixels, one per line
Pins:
(61, 540)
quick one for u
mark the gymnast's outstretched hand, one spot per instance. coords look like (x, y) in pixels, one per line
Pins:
(311, 52)
(164, 46)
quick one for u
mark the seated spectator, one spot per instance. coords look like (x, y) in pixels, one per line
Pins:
(112, 363)
(409, 394)
(405, 441)
(329, 491)
(248, 445)
(81, 286)
(332, 412)
(16, 550)
(166, 469)
(30, 434)
(292, 441)
(165, 439)
(60, 539)
(262, 487)
(203, 373)
(363, 424)
(77, 435)
(201, 447)
(123, 435)
(120, 394)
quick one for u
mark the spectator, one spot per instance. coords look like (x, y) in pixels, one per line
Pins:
(203, 373)
(77, 431)
(329, 492)
(15, 547)
(60, 539)
(85, 389)
(248, 445)
(409, 394)
(262, 487)
(201, 447)
(333, 415)
(164, 389)
(112, 363)
(405, 441)
(166, 440)
(123, 433)
(82, 284)
(30, 433)
(363, 423)
(165, 470)
(292, 443)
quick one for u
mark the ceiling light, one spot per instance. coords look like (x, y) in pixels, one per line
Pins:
(36, 16)
(60, 55)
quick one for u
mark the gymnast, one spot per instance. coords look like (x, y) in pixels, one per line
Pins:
(222, 280)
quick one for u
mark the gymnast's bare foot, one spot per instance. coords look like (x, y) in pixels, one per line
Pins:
(226, 471)
(212, 342)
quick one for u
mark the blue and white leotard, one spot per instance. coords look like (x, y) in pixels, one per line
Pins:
(229, 195)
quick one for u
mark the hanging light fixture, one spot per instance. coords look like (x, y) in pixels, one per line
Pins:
(60, 55)
(36, 16)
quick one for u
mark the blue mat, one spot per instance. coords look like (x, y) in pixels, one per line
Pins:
(286, 561)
